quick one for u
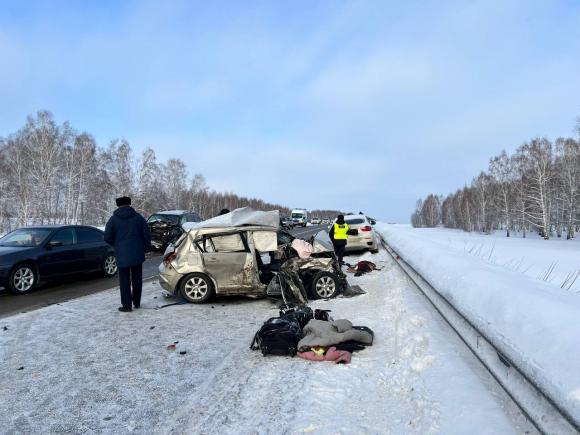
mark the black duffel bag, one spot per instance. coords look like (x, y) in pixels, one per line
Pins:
(278, 336)
(298, 312)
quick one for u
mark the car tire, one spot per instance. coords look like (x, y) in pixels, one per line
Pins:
(325, 285)
(109, 266)
(23, 279)
(375, 251)
(196, 288)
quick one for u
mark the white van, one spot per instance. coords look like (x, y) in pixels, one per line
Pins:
(299, 216)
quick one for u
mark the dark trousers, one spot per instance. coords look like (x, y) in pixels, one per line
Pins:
(339, 246)
(131, 283)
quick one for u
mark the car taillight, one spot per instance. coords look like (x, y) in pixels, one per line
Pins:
(367, 228)
(169, 258)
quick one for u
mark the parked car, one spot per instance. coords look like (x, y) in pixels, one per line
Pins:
(315, 221)
(361, 235)
(167, 226)
(40, 253)
(213, 259)
(325, 221)
(286, 222)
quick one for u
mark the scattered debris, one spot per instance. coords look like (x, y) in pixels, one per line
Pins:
(183, 352)
(108, 418)
(152, 327)
(362, 267)
(20, 368)
(5, 328)
(353, 290)
(171, 347)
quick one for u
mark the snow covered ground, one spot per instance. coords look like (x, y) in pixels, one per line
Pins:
(552, 261)
(82, 366)
(535, 323)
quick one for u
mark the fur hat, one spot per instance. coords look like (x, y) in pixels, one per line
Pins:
(123, 200)
(340, 219)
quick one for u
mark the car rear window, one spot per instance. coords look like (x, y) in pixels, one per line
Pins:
(356, 221)
(88, 235)
(64, 236)
(222, 243)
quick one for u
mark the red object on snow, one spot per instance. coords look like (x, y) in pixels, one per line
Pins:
(337, 356)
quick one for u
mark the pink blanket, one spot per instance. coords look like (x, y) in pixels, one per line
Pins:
(338, 356)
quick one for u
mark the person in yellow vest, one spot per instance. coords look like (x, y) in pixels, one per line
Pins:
(338, 235)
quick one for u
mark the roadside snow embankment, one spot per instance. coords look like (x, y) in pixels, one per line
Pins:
(533, 323)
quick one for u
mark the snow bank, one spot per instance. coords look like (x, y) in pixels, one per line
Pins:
(533, 323)
(554, 261)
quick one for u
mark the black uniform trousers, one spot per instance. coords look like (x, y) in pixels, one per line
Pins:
(339, 247)
(131, 283)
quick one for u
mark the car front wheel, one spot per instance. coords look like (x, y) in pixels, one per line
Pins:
(23, 279)
(110, 265)
(196, 288)
(325, 285)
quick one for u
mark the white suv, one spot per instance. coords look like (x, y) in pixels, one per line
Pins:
(315, 221)
(366, 237)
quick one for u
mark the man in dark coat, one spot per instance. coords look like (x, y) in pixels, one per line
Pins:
(129, 233)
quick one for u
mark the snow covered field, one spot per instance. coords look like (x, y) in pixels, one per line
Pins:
(82, 366)
(533, 322)
(555, 261)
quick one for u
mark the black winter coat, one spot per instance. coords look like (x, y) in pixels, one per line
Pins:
(129, 233)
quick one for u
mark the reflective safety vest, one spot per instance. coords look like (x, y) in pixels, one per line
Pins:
(340, 231)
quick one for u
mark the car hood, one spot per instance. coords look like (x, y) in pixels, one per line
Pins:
(8, 250)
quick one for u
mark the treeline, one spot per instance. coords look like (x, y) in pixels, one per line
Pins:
(52, 173)
(330, 214)
(537, 188)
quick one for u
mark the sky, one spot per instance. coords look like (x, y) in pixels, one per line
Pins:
(349, 105)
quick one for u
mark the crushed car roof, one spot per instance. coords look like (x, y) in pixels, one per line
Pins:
(240, 217)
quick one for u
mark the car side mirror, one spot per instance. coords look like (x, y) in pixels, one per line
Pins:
(373, 222)
(53, 244)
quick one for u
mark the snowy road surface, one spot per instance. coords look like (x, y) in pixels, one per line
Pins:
(83, 367)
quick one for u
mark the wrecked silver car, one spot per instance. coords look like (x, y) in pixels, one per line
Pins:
(245, 253)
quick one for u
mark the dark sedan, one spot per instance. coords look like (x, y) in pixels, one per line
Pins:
(34, 254)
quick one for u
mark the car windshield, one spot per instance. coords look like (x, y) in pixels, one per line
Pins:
(165, 218)
(25, 237)
(356, 221)
(297, 215)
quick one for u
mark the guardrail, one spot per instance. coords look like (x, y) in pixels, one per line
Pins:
(543, 412)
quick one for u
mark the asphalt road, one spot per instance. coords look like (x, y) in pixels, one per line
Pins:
(70, 288)
(75, 287)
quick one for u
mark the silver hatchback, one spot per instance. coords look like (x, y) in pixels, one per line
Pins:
(240, 253)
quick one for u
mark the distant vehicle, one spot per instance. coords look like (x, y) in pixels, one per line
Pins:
(166, 226)
(299, 216)
(40, 253)
(315, 221)
(325, 221)
(286, 222)
(365, 237)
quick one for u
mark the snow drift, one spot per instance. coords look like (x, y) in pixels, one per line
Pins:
(533, 323)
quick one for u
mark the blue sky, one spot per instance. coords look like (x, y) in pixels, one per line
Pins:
(355, 105)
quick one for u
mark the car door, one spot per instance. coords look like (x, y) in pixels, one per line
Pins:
(227, 258)
(91, 248)
(60, 255)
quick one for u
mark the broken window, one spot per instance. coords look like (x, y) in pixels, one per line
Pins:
(222, 243)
